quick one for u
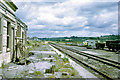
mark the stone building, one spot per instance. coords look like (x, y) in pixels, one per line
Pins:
(12, 30)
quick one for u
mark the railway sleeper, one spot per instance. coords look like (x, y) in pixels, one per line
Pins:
(101, 73)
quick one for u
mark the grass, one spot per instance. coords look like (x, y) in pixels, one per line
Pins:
(65, 67)
(3, 65)
(37, 72)
(49, 55)
(56, 69)
(28, 50)
(37, 44)
(53, 66)
(61, 64)
(65, 70)
(25, 72)
(40, 56)
(33, 43)
(69, 70)
(72, 73)
(65, 59)
(51, 76)
(52, 50)
(29, 43)
(59, 55)
(71, 67)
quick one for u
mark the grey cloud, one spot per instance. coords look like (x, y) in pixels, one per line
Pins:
(56, 28)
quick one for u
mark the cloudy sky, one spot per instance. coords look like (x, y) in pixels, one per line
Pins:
(68, 18)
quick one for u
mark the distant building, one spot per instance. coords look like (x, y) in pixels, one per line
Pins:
(35, 39)
(90, 43)
(68, 39)
(12, 30)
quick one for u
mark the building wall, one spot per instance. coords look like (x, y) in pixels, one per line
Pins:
(10, 33)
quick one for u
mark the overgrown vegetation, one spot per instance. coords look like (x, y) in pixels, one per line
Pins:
(59, 55)
(3, 65)
(37, 72)
(65, 59)
(51, 76)
(35, 45)
(63, 65)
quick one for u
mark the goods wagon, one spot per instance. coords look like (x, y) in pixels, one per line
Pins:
(113, 45)
(100, 45)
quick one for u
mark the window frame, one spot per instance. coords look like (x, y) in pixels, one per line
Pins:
(8, 36)
(1, 35)
(18, 30)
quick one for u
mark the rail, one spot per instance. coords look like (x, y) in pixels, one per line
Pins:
(93, 57)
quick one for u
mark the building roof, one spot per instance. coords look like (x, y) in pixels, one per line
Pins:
(11, 4)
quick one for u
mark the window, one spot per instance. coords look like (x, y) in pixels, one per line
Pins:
(19, 31)
(23, 37)
(8, 34)
(0, 36)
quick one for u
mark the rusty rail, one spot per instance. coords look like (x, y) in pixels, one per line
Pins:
(61, 48)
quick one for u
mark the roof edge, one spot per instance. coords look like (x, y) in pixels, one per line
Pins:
(11, 4)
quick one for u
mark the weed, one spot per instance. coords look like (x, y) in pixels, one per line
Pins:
(52, 76)
(52, 50)
(25, 72)
(53, 66)
(40, 56)
(72, 73)
(71, 67)
(59, 55)
(65, 59)
(3, 65)
(49, 55)
(28, 43)
(37, 72)
(49, 71)
(57, 69)
(65, 70)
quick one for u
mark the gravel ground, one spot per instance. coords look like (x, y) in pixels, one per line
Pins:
(113, 72)
(45, 63)
(102, 53)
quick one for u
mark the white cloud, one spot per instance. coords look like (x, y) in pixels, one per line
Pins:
(62, 19)
(87, 27)
(106, 17)
(56, 31)
(37, 26)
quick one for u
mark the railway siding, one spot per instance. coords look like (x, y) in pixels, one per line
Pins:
(101, 53)
(104, 60)
(83, 72)
(101, 67)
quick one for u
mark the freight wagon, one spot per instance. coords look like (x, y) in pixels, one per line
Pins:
(113, 45)
(100, 45)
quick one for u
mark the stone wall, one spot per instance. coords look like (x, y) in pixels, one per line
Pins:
(12, 30)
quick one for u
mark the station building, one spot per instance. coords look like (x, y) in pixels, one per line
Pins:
(12, 30)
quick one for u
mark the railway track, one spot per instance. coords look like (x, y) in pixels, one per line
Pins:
(103, 60)
(100, 59)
